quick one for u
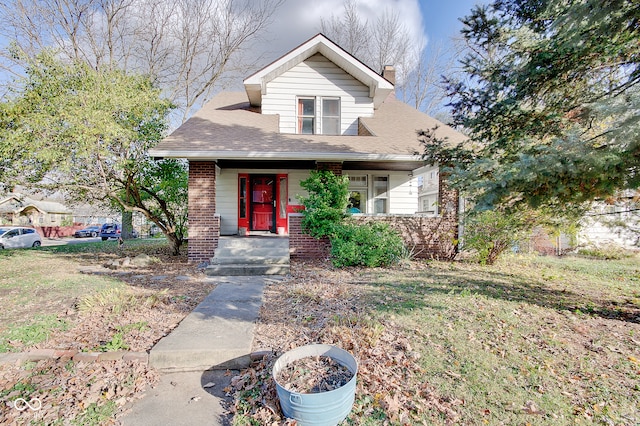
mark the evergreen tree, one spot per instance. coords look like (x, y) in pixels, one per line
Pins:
(551, 102)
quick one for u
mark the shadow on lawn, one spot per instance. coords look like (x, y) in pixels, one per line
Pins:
(408, 293)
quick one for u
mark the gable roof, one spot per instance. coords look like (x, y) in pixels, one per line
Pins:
(256, 84)
(229, 128)
(15, 203)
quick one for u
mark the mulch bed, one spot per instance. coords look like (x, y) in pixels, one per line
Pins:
(321, 304)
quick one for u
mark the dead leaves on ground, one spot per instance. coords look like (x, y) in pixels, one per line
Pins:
(322, 305)
(66, 389)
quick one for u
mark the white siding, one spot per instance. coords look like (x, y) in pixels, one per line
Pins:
(317, 77)
(227, 201)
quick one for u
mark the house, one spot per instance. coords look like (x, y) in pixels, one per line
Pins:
(316, 107)
(18, 209)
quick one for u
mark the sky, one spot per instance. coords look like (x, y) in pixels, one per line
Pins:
(298, 20)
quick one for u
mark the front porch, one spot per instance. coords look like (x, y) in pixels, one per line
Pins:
(425, 235)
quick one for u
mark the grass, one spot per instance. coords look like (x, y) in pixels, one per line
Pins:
(531, 340)
(47, 282)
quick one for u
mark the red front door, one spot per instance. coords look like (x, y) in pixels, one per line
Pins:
(262, 206)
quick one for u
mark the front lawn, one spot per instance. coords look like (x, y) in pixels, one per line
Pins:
(89, 297)
(531, 340)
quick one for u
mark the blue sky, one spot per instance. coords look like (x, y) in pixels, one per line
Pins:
(440, 17)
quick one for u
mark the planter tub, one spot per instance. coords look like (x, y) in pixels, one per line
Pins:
(323, 408)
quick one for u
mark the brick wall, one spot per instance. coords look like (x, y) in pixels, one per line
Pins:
(427, 236)
(303, 245)
(333, 166)
(204, 224)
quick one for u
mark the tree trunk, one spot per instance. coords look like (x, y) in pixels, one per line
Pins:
(174, 243)
(127, 225)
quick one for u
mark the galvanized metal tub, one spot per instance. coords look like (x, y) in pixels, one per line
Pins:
(317, 409)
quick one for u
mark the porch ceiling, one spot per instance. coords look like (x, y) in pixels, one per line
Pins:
(310, 165)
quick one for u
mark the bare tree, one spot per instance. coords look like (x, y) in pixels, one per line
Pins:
(351, 32)
(383, 42)
(422, 86)
(419, 66)
(188, 46)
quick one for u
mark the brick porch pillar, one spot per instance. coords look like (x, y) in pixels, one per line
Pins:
(332, 166)
(204, 225)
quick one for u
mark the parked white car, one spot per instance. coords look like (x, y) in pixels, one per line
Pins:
(18, 237)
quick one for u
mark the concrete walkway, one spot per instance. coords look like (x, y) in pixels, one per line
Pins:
(194, 357)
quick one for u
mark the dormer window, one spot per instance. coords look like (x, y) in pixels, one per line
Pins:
(306, 116)
(324, 120)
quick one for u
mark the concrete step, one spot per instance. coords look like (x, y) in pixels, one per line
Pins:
(251, 251)
(249, 256)
(218, 334)
(229, 259)
(253, 242)
(239, 269)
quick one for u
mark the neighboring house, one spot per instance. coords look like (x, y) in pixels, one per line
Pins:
(615, 223)
(17, 209)
(317, 107)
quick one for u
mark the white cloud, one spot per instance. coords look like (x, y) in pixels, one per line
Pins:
(298, 20)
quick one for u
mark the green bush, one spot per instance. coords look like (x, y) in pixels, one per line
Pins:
(370, 245)
(326, 204)
(489, 233)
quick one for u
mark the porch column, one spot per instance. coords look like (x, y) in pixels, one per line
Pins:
(332, 166)
(204, 224)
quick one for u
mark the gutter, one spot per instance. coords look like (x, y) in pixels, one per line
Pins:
(259, 155)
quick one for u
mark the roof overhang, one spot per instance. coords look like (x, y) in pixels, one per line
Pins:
(256, 84)
(258, 155)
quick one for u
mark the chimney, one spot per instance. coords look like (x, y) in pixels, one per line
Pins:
(389, 73)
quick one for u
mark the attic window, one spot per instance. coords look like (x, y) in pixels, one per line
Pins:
(322, 118)
(306, 115)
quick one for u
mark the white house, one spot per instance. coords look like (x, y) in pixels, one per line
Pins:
(316, 107)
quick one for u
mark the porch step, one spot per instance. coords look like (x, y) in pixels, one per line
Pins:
(247, 256)
(246, 270)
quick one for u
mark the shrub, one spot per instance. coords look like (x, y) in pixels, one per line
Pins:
(326, 204)
(370, 244)
(490, 233)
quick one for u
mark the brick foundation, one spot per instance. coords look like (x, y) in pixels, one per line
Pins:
(303, 245)
(204, 224)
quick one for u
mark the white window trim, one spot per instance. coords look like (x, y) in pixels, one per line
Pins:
(298, 116)
(375, 197)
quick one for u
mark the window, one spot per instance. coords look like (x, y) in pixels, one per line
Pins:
(357, 202)
(326, 121)
(358, 181)
(358, 186)
(306, 116)
(330, 116)
(380, 194)
(242, 189)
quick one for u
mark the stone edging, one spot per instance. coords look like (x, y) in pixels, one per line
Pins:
(72, 354)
